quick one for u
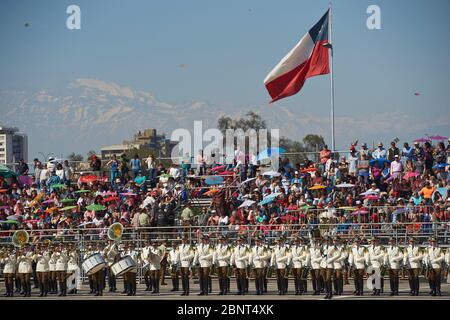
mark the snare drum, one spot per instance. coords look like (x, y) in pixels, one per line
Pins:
(93, 264)
(124, 265)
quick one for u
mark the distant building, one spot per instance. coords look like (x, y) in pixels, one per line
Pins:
(147, 140)
(13, 145)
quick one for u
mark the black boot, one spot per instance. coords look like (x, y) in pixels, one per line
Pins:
(239, 286)
(60, 289)
(173, 285)
(91, 286)
(41, 290)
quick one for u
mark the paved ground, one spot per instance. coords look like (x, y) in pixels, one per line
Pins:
(166, 294)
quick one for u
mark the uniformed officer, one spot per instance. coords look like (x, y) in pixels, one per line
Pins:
(240, 260)
(164, 256)
(89, 251)
(393, 258)
(52, 280)
(25, 270)
(155, 255)
(434, 259)
(356, 260)
(222, 257)
(146, 266)
(130, 276)
(260, 257)
(375, 259)
(98, 277)
(412, 259)
(299, 259)
(42, 258)
(112, 255)
(341, 255)
(173, 259)
(330, 254)
(61, 269)
(203, 259)
(72, 265)
(186, 255)
(9, 262)
(280, 260)
(315, 255)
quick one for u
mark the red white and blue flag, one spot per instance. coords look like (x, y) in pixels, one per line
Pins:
(307, 59)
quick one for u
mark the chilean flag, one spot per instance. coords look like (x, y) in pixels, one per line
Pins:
(307, 59)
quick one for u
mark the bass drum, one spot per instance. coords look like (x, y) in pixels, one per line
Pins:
(93, 264)
(123, 266)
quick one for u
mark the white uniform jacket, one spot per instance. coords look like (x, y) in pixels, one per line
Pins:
(10, 263)
(25, 261)
(315, 257)
(186, 254)
(204, 255)
(435, 257)
(393, 257)
(222, 255)
(357, 257)
(260, 256)
(241, 256)
(42, 260)
(280, 257)
(375, 258)
(299, 256)
(413, 257)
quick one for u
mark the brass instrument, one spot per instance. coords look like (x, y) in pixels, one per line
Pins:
(20, 238)
(115, 231)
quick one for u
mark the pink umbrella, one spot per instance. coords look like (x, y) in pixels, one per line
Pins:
(218, 168)
(411, 175)
(48, 201)
(438, 137)
(422, 140)
(4, 207)
(128, 194)
(358, 212)
(226, 173)
(25, 181)
(372, 197)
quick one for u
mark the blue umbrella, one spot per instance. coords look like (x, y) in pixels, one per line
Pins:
(268, 199)
(380, 162)
(214, 180)
(440, 165)
(269, 152)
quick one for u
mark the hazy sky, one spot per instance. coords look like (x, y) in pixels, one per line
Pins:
(220, 52)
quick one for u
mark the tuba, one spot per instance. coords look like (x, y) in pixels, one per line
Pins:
(20, 238)
(115, 231)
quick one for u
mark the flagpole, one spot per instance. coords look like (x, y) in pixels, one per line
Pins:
(333, 146)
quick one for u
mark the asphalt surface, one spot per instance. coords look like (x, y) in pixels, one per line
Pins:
(166, 294)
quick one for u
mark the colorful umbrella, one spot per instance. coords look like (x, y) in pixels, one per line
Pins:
(440, 165)
(372, 197)
(165, 175)
(248, 180)
(5, 172)
(218, 168)
(88, 178)
(67, 200)
(347, 208)
(247, 203)
(214, 180)
(422, 140)
(109, 199)
(380, 162)
(226, 173)
(438, 137)
(82, 191)
(211, 192)
(269, 152)
(317, 187)
(68, 208)
(96, 207)
(272, 174)
(25, 181)
(307, 207)
(128, 194)
(309, 170)
(13, 217)
(4, 207)
(10, 222)
(345, 185)
(48, 201)
(58, 186)
(292, 207)
(409, 175)
(3, 190)
(359, 212)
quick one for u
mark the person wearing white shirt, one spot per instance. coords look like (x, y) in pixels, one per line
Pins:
(186, 254)
(259, 258)
(413, 258)
(203, 258)
(434, 259)
(241, 259)
(379, 153)
(221, 259)
(280, 259)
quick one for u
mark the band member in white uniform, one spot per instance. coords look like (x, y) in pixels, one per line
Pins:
(393, 258)
(154, 257)
(52, 280)
(61, 269)
(72, 265)
(112, 255)
(98, 278)
(25, 270)
(222, 257)
(280, 260)
(186, 254)
(9, 261)
(240, 259)
(412, 259)
(434, 260)
(173, 260)
(356, 260)
(42, 257)
(330, 254)
(339, 265)
(375, 259)
(315, 256)
(260, 257)
(146, 266)
(299, 259)
(89, 251)
(203, 259)
(130, 276)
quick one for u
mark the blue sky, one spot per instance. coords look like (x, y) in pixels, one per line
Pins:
(228, 48)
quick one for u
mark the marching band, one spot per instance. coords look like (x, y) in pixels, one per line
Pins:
(326, 264)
